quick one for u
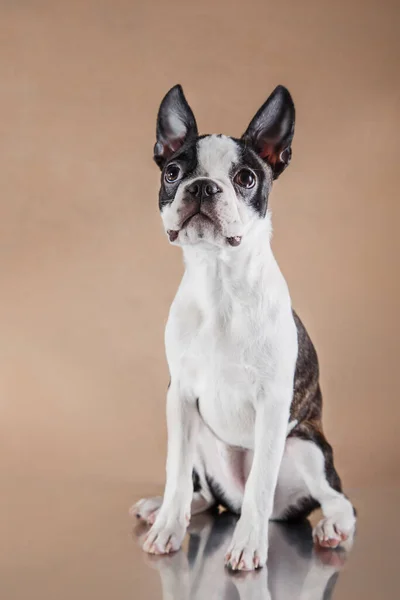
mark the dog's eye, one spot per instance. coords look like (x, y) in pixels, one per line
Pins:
(172, 173)
(245, 178)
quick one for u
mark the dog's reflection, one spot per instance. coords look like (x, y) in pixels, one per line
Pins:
(295, 571)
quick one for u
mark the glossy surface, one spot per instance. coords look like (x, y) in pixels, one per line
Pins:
(68, 538)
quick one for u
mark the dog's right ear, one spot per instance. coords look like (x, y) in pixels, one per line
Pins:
(270, 133)
(175, 125)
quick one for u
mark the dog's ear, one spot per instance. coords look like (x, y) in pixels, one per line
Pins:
(270, 133)
(175, 125)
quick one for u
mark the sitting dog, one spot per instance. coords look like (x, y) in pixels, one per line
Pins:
(244, 400)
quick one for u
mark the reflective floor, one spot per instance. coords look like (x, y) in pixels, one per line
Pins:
(294, 569)
(67, 538)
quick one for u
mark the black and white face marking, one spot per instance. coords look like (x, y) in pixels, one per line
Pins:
(214, 187)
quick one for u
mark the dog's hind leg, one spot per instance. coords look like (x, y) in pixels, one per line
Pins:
(308, 480)
(147, 508)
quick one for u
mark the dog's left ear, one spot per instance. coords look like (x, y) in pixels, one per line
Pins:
(270, 133)
(175, 125)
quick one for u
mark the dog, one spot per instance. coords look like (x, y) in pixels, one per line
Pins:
(244, 401)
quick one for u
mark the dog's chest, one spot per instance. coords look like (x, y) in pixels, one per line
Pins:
(221, 357)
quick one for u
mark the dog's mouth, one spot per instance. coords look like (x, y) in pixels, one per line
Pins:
(201, 217)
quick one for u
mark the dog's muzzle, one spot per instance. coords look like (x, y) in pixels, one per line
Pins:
(199, 194)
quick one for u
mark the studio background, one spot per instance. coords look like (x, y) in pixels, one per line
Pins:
(86, 273)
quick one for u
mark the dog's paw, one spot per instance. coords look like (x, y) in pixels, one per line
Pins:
(332, 533)
(165, 536)
(248, 549)
(147, 509)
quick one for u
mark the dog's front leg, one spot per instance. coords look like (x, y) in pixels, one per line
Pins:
(249, 546)
(168, 531)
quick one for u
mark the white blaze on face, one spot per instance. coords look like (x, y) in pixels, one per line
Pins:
(216, 155)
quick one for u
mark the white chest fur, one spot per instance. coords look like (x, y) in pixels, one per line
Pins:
(229, 332)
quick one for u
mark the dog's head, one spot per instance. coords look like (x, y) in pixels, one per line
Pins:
(214, 188)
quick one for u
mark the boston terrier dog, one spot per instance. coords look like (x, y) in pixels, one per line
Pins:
(244, 401)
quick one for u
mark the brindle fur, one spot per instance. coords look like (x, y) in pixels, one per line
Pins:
(306, 406)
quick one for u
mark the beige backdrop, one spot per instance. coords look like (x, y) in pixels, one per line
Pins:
(86, 273)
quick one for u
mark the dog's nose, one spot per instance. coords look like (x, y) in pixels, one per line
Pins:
(203, 189)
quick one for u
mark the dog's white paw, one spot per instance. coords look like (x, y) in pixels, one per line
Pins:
(248, 549)
(165, 536)
(334, 532)
(147, 509)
